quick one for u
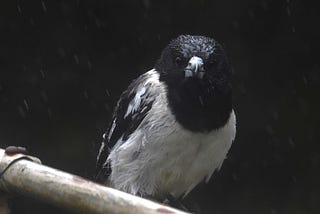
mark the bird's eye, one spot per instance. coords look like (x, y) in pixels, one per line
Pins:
(211, 63)
(179, 61)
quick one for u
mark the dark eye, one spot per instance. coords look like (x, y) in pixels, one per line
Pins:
(179, 61)
(211, 63)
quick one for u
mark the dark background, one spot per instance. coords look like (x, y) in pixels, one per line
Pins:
(63, 65)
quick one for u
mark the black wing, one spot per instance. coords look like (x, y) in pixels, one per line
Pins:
(132, 107)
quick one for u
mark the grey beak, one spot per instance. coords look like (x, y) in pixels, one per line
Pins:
(195, 68)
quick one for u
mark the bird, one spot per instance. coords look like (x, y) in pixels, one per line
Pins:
(174, 125)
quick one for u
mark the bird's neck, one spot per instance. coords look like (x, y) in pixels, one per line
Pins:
(200, 107)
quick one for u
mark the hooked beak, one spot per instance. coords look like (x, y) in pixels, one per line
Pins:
(194, 68)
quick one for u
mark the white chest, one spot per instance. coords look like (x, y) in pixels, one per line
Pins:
(183, 159)
(165, 159)
(162, 158)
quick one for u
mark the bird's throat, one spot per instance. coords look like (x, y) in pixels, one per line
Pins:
(200, 108)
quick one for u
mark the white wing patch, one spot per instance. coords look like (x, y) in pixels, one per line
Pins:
(111, 130)
(135, 103)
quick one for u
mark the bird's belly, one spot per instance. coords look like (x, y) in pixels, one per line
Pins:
(189, 160)
(167, 159)
(182, 159)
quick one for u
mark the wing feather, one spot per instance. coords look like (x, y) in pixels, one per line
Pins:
(131, 109)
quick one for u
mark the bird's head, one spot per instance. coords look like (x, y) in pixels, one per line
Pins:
(197, 74)
(189, 59)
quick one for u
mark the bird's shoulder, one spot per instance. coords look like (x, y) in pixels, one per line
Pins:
(132, 107)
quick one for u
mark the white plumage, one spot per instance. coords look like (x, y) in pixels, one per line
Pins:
(161, 156)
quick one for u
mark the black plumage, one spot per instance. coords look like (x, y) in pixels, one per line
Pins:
(169, 116)
(122, 125)
(199, 105)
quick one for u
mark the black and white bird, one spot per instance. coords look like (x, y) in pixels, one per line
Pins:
(173, 126)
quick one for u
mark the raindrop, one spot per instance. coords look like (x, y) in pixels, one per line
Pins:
(24, 68)
(98, 23)
(44, 6)
(19, 8)
(234, 176)
(291, 142)
(293, 29)
(89, 65)
(75, 56)
(49, 112)
(251, 14)
(146, 4)
(44, 96)
(288, 11)
(314, 159)
(85, 94)
(265, 163)
(304, 79)
(275, 115)
(31, 21)
(26, 105)
(201, 101)
(107, 92)
(42, 73)
(22, 112)
(264, 5)
(269, 129)
(107, 107)
(62, 52)
(273, 211)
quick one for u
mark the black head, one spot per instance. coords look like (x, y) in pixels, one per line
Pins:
(193, 58)
(197, 73)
